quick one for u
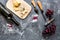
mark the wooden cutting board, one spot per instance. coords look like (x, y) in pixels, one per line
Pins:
(20, 14)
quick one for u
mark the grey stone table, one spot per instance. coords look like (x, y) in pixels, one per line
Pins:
(31, 33)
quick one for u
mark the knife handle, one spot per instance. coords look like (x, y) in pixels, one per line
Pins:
(40, 5)
(33, 3)
(8, 14)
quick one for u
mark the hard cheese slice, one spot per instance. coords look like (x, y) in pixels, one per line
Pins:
(22, 11)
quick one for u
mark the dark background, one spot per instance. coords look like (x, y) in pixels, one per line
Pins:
(32, 33)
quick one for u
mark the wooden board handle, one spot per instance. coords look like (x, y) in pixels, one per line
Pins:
(33, 3)
(39, 5)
